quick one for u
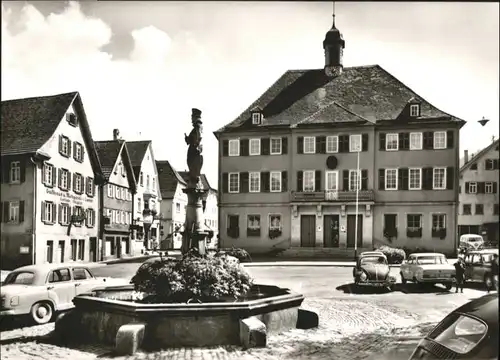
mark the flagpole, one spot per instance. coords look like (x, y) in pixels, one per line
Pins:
(358, 183)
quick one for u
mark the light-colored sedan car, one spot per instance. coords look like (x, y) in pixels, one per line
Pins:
(41, 290)
(428, 268)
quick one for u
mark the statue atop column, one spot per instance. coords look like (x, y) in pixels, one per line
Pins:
(194, 157)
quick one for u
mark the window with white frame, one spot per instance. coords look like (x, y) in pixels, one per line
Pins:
(355, 143)
(253, 222)
(415, 179)
(391, 142)
(234, 147)
(90, 217)
(64, 214)
(154, 184)
(391, 179)
(234, 182)
(48, 171)
(256, 118)
(473, 187)
(354, 180)
(416, 141)
(332, 144)
(332, 180)
(440, 140)
(414, 221)
(274, 222)
(15, 171)
(65, 145)
(308, 181)
(78, 152)
(439, 178)
(275, 181)
(488, 188)
(414, 110)
(309, 145)
(141, 178)
(438, 221)
(147, 181)
(90, 186)
(275, 146)
(139, 204)
(254, 147)
(110, 190)
(78, 183)
(14, 211)
(64, 179)
(177, 207)
(254, 178)
(48, 215)
(117, 193)
(122, 217)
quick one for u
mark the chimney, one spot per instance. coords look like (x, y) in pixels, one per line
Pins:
(466, 156)
(116, 134)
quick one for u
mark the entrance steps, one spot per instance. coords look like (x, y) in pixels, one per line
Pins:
(321, 253)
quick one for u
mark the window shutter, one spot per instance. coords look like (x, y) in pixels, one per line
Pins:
(6, 211)
(22, 164)
(225, 147)
(381, 179)
(481, 187)
(300, 145)
(284, 181)
(93, 218)
(345, 180)
(495, 188)
(265, 146)
(244, 143)
(381, 141)
(86, 185)
(403, 179)
(344, 143)
(43, 211)
(69, 180)
(60, 143)
(317, 180)
(244, 182)
(404, 141)
(74, 150)
(82, 153)
(449, 139)
(265, 181)
(428, 141)
(59, 177)
(364, 142)
(320, 144)
(54, 176)
(21, 211)
(69, 148)
(300, 176)
(74, 182)
(450, 177)
(467, 187)
(364, 179)
(284, 145)
(60, 214)
(427, 178)
(54, 212)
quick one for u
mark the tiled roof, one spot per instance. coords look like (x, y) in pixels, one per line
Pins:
(28, 123)
(369, 92)
(204, 180)
(479, 155)
(108, 152)
(168, 178)
(137, 150)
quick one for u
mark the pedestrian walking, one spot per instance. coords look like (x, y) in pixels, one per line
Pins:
(459, 275)
(494, 272)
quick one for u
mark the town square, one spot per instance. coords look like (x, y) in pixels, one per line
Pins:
(226, 180)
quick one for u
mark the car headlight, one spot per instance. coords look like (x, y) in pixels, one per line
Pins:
(14, 301)
(363, 276)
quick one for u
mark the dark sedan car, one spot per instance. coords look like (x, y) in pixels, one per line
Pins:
(372, 269)
(469, 332)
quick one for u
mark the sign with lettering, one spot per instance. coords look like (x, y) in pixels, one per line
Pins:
(77, 199)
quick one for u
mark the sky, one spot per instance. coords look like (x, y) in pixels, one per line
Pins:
(141, 66)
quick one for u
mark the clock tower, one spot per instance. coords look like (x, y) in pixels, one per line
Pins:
(334, 47)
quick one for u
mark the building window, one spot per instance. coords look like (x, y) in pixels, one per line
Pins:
(309, 145)
(256, 119)
(467, 209)
(274, 222)
(414, 222)
(332, 144)
(14, 211)
(48, 175)
(391, 142)
(177, 207)
(154, 184)
(233, 227)
(122, 215)
(72, 119)
(332, 180)
(147, 181)
(90, 219)
(414, 110)
(275, 181)
(141, 178)
(275, 146)
(391, 179)
(78, 183)
(64, 214)
(118, 193)
(479, 209)
(48, 212)
(139, 204)
(390, 225)
(254, 181)
(234, 147)
(354, 180)
(472, 187)
(234, 182)
(15, 172)
(64, 179)
(49, 252)
(253, 225)
(416, 141)
(90, 186)
(495, 209)
(438, 221)
(254, 147)
(415, 179)
(78, 152)
(308, 182)
(440, 140)
(65, 146)
(439, 179)
(81, 249)
(110, 190)
(73, 249)
(355, 143)
(488, 188)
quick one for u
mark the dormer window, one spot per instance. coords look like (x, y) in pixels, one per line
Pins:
(72, 119)
(414, 110)
(256, 118)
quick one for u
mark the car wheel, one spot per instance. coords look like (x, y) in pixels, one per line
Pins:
(488, 282)
(42, 312)
(403, 280)
(447, 286)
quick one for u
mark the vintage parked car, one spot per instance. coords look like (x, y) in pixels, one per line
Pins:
(428, 268)
(469, 332)
(471, 242)
(478, 267)
(372, 269)
(42, 290)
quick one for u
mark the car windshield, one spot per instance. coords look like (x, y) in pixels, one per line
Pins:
(431, 260)
(459, 333)
(373, 260)
(474, 239)
(20, 278)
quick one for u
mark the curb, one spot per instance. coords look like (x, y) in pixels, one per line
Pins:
(304, 264)
(128, 259)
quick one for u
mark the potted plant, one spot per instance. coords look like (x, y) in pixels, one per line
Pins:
(274, 233)
(253, 231)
